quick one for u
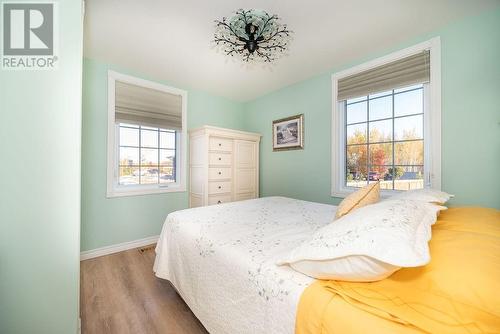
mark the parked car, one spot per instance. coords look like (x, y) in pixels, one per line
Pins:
(409, 176)
(153, 171)
(139, 172)
(373, 176)
(167, 177)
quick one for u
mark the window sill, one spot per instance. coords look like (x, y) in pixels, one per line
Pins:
(346, 191)
(140, 191)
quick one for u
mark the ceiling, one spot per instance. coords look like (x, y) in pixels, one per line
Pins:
(171, 40)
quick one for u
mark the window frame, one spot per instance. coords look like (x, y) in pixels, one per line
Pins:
(114, 189)
(432, 120)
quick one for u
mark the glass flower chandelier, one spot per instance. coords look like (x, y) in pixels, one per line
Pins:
(253, 35)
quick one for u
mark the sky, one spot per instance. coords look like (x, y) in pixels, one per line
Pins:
(380, 107)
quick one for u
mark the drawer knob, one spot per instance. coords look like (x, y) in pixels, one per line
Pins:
(220, 158)
(219, 202)
(220, 144)
(220, 187)
(220, 173)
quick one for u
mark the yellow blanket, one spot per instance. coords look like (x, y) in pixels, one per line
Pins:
(458, 292)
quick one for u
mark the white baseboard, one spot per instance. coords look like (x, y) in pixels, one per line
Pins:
(90, 254)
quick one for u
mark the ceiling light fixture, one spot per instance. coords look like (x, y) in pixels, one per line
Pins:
(252, 34)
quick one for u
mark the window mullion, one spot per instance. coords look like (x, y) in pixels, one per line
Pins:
(393, 138)
(174, 163)
(368, 140)
(158, 164)
(117, 153)
(140, 151)
(345, 147)
(425, 112)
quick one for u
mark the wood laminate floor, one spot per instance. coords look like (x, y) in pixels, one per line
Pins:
(120, 294)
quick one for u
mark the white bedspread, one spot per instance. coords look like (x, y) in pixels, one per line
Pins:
(222, 259)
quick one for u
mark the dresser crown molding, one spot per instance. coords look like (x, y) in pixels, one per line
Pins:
(223, 132)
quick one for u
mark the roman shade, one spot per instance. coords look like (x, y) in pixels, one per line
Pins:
(407, 71)
(145, 106)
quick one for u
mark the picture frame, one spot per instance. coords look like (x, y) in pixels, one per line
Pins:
(288, 133)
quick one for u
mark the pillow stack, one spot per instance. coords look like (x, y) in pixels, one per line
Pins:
(424, 195)
(369, 242)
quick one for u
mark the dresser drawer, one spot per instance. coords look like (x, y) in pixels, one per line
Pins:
(219, 173)
(220, 187)
(219, 199)
(220, 159)
(221, 144)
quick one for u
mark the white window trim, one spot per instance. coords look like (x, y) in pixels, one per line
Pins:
(113, 188)
(432, 119)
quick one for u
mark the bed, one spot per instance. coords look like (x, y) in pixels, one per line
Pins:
(222, 261)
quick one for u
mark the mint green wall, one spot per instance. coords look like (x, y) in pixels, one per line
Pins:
(303, 174)
(470, 121)
(111, 221)
(470, 133)
(40, 121)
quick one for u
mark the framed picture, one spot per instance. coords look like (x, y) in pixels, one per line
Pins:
(288, 133)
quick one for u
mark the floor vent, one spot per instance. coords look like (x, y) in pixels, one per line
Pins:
(147, 248)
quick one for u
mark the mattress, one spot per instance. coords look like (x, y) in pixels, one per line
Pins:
(221, 259)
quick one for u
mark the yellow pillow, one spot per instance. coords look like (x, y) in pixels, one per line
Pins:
(364, 196)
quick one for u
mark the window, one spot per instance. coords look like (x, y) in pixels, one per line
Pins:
(386, 122)
(146, 137)
(385, 139)
(147, 155)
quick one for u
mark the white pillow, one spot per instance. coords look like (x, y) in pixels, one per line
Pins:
(424, 195)
(358, 268)
(368, 244)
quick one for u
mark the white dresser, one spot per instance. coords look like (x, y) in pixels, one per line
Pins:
(224, 165)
